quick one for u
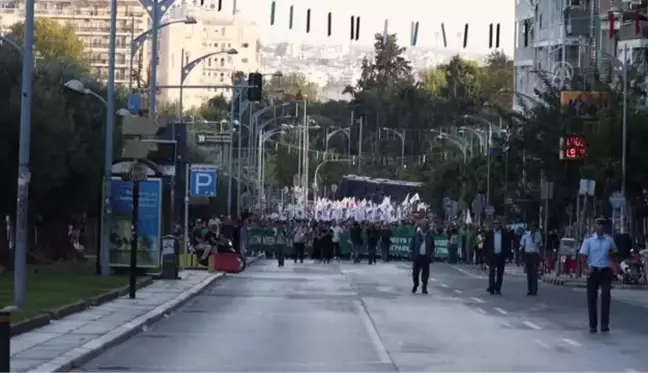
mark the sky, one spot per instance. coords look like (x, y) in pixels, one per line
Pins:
(479, 14)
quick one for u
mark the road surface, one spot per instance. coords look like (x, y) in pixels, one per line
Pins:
(318, 317)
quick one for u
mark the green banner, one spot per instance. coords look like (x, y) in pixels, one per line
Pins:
(441, 245)
(263, 239)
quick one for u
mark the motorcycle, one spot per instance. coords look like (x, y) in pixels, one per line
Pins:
(633, 269)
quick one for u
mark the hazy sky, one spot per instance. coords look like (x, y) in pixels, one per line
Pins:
(400, 13)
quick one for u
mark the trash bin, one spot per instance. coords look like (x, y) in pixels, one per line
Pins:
(170, 257)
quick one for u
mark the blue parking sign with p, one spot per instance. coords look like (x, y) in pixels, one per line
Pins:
(204, 180)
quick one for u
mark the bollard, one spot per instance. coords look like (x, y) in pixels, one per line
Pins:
(5, 341)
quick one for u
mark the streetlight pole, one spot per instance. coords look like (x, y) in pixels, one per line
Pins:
(346, 131)
(24, 175)
(137, 42)
(401, 135)
(154, 58)
(185, 70)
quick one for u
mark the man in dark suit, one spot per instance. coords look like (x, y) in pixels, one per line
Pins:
(422, 253)
(497, 247)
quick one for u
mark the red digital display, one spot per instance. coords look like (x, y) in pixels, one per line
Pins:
(573, 147)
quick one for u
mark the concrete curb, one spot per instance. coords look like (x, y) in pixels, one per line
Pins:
(82, 354)
(88, 351)
(46, 317)
(573, 283)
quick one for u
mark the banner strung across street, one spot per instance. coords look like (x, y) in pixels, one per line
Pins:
(263, 239)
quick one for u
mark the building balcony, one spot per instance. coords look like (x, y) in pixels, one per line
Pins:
(523, 56)
(627, 31)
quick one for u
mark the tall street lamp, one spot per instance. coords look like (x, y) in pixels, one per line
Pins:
(401, 135)
(106, 214)
(186, 68)
(137, 42)
(24, 174)
(346, 131)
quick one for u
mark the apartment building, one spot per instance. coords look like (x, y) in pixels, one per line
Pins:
(565, 38)
(214, 32)
(91, 18)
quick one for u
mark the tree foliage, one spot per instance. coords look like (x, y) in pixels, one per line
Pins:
(53, 40)
(67, 151)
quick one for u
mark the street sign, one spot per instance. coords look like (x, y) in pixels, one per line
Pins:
(204, 180)
(134, 103)
(490, 210)
(213, 138)
(477, 204)
(617, 200)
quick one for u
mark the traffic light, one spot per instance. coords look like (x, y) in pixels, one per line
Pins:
(255, 89)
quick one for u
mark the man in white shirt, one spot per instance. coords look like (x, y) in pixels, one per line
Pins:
(337, 232)
(531, 244)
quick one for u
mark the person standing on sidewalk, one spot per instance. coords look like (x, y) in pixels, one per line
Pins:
(422, 252)
(530, 244)
(595, 253)
(281, 239)
(355, 235)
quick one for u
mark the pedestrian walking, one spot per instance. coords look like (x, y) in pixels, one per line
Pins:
(300, 236)
(497, 246)
(356, 241)
(373, 236)
(422, 254)
(530, 244)
(336, 231)
(595, 252)
(281, 238)
(385, 241)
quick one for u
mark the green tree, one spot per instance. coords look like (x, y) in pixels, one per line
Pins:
(290, 86)
(53, 40)
(67, 149)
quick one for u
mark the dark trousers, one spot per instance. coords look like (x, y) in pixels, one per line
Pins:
(385, 250)
(336, 250)
(532, 261)
(279, 252)
(599, 278)
(496, 264)
(371, 250)
(421, 268)
(453, 253)
(299, 252)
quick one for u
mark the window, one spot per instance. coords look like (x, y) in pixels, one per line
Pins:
(215, 45)
(244, 60)
(222, 77)
(222, 62)
(209, 62)
(223, 31)
(245, 45)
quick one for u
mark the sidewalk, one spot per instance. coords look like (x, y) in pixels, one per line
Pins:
(72, 340)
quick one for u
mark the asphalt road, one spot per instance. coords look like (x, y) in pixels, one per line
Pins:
(318, 317)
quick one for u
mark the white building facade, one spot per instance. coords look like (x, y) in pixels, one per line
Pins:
(215, 32)
(567, 38)
(91, 19)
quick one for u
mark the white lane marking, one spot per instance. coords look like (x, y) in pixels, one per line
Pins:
(571, 342)
(373, 333)
(500, 310)
(531, 325)
(507, 324)
(444, 285)
(458, 291)
(481, 310)
(477, 300)
(541, 343)
(630, 370)
(468, 273)
(433, 279)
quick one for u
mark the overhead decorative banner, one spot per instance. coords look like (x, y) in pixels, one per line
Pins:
(586, 105)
